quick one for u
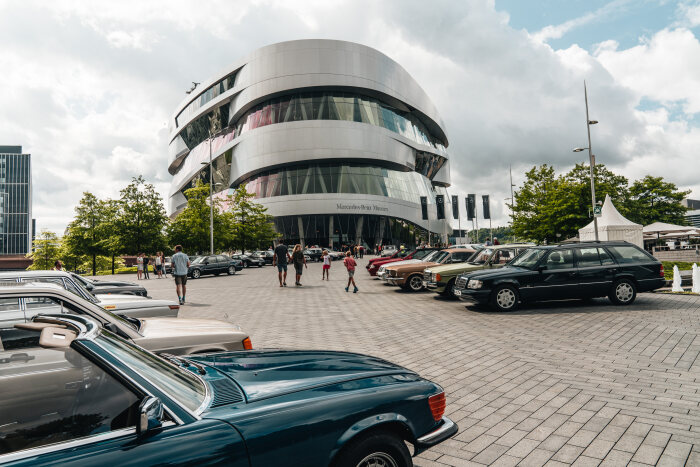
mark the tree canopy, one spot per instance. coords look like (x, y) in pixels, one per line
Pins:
(46, 250)
(550, 207)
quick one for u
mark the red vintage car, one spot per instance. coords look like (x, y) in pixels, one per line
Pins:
(375, 263)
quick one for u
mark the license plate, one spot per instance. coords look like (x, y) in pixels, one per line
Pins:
(457, 293)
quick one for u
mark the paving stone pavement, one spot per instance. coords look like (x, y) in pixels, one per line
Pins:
(552, 384)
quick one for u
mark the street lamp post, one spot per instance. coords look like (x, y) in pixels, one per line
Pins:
(211, 201)
(591, 160)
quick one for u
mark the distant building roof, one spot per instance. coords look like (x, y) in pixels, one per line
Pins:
(10, 149)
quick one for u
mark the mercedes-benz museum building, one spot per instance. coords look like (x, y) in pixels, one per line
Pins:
(336, 139)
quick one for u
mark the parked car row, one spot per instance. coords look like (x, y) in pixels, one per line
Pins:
(505, 276)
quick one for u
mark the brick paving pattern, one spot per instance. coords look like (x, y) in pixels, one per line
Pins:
(575, 383)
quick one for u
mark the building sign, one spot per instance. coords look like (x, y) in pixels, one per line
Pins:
(440, 201)
(487, 207)
(424, 207)
(361, 207)
(455, 206)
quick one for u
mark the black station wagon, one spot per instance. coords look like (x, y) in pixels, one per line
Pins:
(617, 270)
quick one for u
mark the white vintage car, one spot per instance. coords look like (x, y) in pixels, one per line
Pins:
(128, 305)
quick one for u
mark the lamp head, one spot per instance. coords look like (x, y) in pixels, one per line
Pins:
(592, 122)
(580, 149)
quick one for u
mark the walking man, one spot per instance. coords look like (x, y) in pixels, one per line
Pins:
(181, 264)
(280, 259)
(350, 264)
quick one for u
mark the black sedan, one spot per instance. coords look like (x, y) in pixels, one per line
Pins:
(267, 255)
(618, 270)
(110, 287)
(213, 264)
(250, 260)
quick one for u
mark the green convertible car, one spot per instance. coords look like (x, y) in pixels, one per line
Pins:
(441, 279)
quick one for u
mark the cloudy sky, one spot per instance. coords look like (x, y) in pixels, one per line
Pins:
(87, 86)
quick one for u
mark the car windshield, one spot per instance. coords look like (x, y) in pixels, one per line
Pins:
(482, 256)
(528, 258)
(72, 285)
(199, 259)
(180, 384)
(81, 279)
(420, 254)
(431, 256)
(440, 256)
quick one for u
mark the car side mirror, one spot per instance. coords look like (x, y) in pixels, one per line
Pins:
(150, 415)
(89, 286)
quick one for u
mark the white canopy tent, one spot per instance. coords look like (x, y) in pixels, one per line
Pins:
(658, 228)
(613, 226)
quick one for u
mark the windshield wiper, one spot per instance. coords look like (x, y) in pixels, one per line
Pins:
(183, 362)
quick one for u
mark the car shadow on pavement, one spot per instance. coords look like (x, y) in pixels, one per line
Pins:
(594, 305)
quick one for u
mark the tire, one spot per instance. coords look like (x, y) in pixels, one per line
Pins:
(196, 274)
(505, 298)
(260, 265)
(231, 270)
(379, 448)
(450, 289)
(415, 283)
(623, 292)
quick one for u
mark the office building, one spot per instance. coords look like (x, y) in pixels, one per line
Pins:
(15, 201)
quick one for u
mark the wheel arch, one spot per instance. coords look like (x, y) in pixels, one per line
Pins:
(393, 423)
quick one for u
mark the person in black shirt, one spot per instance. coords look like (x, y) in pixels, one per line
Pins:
(146, 260)
(280, 259)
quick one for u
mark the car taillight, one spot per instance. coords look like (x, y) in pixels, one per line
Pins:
(437, 405)
(247, 344)
(174, 307)
(662, 271)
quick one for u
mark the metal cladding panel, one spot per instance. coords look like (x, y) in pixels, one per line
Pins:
(316, 62)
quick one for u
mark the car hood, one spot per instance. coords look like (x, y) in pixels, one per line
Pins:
(175, 327)
(417, 266)
(115, 284)
(456, 268)
(505, 271)
(122, 302)
(271, 373)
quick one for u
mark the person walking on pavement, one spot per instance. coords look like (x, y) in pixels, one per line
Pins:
(326, 273)
(181, 264)
(146, 260)
(280, 259)
(350, 266)
(159, 264)
(139, 266)
(299, 263)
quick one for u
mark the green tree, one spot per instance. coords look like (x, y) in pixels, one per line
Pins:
(85, 233)
(191, 227)
(141, 220)
(654, 200)
(251, 226)
(112, 237)
(45, 251)
(71, 260)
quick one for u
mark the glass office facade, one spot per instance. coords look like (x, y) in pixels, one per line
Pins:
(339, 230)
(320, 106)
(15, 201)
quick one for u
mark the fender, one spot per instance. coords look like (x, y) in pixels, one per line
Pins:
(372, 422)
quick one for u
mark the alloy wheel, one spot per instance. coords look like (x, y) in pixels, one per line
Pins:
(624, 292)
(505, 298)
(231, 270)
(196, 274)
(378, 459)
(416, 283)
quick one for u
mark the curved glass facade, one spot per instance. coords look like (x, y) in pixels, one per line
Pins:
(339, 230)
(337, 105)
(213, 91)
(345, 178)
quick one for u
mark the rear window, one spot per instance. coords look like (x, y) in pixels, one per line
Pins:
(630, 254)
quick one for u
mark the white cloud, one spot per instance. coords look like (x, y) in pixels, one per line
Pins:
(89, 87)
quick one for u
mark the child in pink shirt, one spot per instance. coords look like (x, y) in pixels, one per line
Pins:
(350, 266)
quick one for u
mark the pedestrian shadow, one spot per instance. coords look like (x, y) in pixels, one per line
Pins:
(195, 305)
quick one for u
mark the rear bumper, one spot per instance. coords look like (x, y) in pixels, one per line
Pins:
(446, 430)
(647, 285)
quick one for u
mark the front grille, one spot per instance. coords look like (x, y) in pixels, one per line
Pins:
(225, 392)
(426, 276)
(461, 283)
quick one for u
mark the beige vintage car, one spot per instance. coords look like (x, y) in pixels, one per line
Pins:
(20, 302)
(410, 276)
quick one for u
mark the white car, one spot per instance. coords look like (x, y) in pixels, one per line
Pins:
(388, 250)
(133, 306)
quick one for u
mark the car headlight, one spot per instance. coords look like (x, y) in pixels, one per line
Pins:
(474, 284)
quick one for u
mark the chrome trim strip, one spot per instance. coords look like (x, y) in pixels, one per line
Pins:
(445, 427)
(34, 452)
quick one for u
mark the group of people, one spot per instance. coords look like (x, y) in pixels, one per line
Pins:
(282, 258)
(142, 265)
(490, 243)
